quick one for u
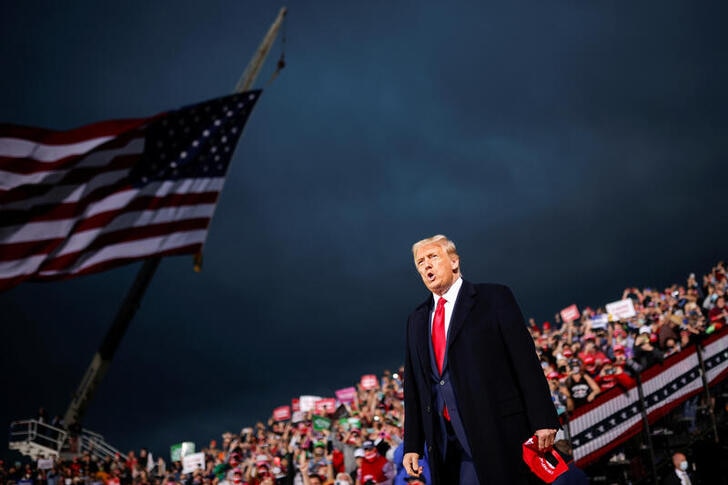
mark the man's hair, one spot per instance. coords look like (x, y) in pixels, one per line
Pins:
(438, 239)
(563, 447)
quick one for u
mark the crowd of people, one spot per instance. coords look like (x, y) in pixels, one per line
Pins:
(585, 357)
(363, 445)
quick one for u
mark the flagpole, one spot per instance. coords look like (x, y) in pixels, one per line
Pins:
(248, 78)
(256, 63)
(102, 359)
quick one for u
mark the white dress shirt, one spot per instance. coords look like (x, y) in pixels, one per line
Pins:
(683, 476)
(450, 296)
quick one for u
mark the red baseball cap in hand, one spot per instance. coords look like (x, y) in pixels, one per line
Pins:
(547, 465)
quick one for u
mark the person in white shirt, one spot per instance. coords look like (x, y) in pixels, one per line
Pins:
(679, 474)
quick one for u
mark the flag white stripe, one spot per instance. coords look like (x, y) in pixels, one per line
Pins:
(134, 249)
(67, 194)
(121, 199)
(20, 148)
(715, 348)
(58, 195)
(19, 267)
(78, 241)
(139, 247)
(56, 229)
(10, 180)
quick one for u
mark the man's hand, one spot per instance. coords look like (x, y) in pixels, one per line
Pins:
(411, 462)
(545, 438)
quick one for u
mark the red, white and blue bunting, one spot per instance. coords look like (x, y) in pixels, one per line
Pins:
(614, 417)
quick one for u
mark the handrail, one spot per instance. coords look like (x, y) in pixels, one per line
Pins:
(36, 438)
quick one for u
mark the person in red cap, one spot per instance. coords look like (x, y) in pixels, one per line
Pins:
(474, 389)
(375, 466)
(582, 388)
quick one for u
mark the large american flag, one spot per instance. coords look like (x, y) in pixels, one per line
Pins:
(96, 197)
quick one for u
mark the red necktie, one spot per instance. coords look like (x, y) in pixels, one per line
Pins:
(439, 340)
(438, 333)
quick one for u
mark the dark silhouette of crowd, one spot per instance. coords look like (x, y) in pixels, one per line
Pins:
(360, 442)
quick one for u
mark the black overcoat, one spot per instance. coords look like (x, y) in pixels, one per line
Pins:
(502, 394)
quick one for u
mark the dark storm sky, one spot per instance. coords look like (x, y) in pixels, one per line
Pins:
(569, 148)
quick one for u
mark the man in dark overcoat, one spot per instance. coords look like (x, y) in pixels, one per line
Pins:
(474, 388)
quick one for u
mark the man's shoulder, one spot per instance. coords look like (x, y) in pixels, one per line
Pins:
(487, 290)
(489, 287)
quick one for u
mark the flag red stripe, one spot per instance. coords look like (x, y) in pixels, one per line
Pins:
(76, 135)
(15, 251)
(27, 166)
(129, 234)
(113, 263)
(106, 265)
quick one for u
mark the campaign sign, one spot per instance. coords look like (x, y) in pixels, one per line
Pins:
(180, 450)
(192, 462)
(570, 313)
(622, 309)
(297, 417)
(282, 413)
(346, 395)
(307, 403)
(45, 463)
(325, 406)
(369, 381)
(599, 322)
(295, 404)
(321, 423)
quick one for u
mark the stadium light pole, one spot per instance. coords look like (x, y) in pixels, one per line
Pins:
(102, 359)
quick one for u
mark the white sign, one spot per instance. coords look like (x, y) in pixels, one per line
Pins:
(307, 403)
(45, 464)
(599, 322)
(622, 309)
(193, 462)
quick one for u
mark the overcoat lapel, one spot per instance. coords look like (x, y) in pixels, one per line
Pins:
(463, 305)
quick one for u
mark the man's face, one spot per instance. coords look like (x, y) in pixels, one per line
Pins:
(437, 269)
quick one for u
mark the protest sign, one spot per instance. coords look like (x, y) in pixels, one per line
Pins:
(180, 450)
(325, 406)
(282, 413)
(570, 313)
(369, 381)
(307, 403)
(192, 462)
(599, 322)
(622, 309)
(346, 395)
(321, 423)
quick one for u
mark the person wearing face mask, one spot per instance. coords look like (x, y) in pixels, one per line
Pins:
(679, 474)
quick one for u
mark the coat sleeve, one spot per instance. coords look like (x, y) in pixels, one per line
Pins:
(414, 439)
(524, 360)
